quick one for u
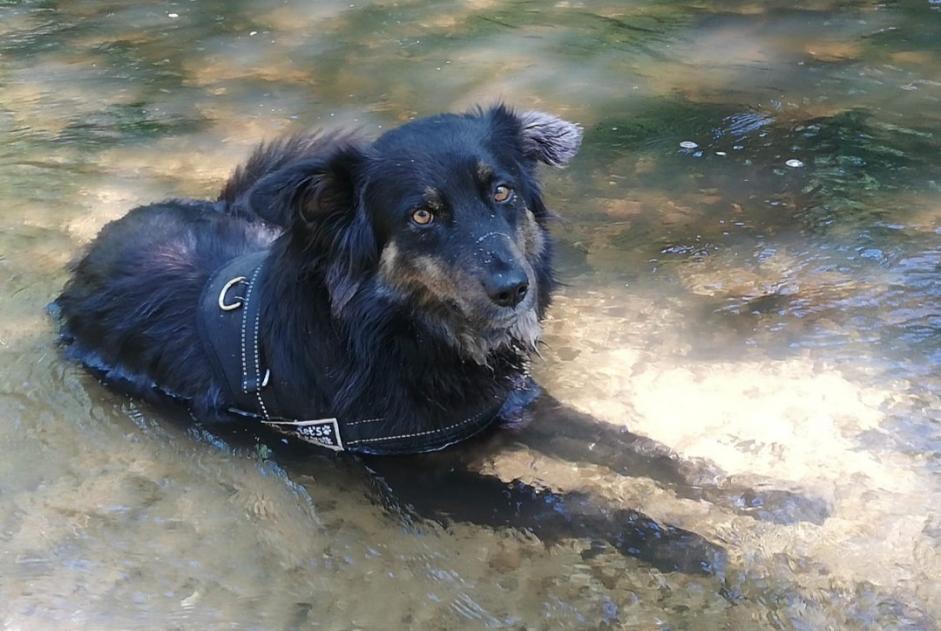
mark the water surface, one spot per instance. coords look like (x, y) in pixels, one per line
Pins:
(765, 303)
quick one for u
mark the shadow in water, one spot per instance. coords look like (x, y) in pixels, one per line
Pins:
(447, 487)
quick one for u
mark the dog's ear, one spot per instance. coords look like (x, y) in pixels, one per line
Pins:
(548, 138)
(306, 190)
(322, 192)
(328, 220)
(541, 137)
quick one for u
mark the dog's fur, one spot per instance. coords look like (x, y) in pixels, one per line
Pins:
(365, 313)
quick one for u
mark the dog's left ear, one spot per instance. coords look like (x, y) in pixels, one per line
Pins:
(548, 138)
(322, 196)
(541, 137)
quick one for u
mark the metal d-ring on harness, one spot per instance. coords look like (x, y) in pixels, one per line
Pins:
(231, 306)
(230, 329)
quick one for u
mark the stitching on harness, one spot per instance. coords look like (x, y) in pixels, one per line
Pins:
(416, 434)
(368, 420)
(257, 366)
(248, 294)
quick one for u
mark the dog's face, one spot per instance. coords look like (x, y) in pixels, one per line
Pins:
(449, 209)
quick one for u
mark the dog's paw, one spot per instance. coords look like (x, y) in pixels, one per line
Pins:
(777, 506)
(667, 548)
(515, 410)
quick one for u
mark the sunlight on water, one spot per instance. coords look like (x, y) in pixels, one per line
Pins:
(750, 245)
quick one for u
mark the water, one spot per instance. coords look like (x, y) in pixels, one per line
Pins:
(777, 324)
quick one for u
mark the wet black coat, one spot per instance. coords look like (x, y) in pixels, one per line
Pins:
(336, 338)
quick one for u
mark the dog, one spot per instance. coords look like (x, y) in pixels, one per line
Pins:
(397, 285)
(382, 298)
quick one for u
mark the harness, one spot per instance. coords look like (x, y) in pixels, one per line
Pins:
(229, 320)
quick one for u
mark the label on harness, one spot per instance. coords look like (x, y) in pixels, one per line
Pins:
(323, 432)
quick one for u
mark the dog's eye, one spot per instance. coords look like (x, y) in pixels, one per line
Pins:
(502, 193)
(423, 216)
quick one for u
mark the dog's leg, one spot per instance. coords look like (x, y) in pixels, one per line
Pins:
(437, 488)
(558, 430)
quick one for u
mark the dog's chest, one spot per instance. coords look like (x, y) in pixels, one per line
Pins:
(230, 326)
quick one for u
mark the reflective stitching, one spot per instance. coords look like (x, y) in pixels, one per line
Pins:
(369, 420)
(257, 366)
(244, 366)
(416, 434)
(344, 443)
(261, 402)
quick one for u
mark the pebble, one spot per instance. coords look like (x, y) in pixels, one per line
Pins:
(688, 144)
(794, 163)
(506, 559)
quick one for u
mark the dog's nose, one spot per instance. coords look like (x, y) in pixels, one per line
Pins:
(507, 289)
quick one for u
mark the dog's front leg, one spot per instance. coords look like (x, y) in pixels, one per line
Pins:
(558, 430)
(442, 489)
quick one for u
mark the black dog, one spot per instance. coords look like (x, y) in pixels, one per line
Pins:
(402, 298)
(379, 298)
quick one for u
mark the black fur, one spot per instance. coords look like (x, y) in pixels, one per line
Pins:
(358, 336)
(337, 333)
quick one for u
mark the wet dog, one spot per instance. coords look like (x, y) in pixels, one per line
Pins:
(401, 280)
(376, 297)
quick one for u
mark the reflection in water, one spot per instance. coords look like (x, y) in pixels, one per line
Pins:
(776, 327)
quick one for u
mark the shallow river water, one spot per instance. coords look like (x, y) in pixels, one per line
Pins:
(762, 299)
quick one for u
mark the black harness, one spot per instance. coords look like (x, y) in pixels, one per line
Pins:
(230, 325)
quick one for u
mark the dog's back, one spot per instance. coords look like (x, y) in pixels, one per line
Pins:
(129, 311)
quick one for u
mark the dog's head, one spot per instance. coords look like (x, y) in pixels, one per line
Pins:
(444, 217)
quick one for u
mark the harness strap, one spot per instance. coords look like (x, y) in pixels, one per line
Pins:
(253, 378)
(229, 321)
(223, 327)
(372, 437)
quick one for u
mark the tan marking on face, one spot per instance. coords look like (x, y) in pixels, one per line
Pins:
(432, 275)
(524, 334)
(529, 234)
(484, 172)
(422, 276)
(387, 260)
(432, 198)
(427, 280)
